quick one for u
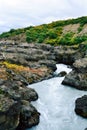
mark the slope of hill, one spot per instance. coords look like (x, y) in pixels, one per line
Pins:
(63, 32)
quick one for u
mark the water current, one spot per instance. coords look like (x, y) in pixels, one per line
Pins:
(56, 104)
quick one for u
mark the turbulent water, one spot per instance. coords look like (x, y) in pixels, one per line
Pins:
(56, 104)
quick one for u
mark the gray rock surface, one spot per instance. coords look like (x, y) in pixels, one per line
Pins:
(78, 77)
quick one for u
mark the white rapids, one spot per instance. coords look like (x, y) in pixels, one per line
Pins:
(56, 104)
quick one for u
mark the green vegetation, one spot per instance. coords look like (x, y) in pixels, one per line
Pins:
(66, 39)
(51, 33)
(80, 39)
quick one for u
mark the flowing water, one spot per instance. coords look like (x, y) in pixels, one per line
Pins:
(56, 104)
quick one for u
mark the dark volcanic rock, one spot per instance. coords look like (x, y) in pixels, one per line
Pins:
(81, 106)
(62, 74)
(78, 77)
(67, 55)
(28, 117)
(9, 113)
(11, 106)
(19, 93)
(77, 80)
(12, 91)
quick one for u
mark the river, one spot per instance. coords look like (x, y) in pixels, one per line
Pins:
(56, 104)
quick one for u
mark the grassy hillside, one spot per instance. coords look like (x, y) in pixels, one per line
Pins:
(63, 32)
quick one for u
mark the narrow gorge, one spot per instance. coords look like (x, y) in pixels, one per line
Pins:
(24, 64)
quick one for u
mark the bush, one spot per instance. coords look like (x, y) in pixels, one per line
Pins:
(66, 39)
(31, 35)
(80, 39)
(52, 34)
(12, 30)
(4, 35)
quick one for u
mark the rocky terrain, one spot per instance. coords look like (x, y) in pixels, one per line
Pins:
(22, 64)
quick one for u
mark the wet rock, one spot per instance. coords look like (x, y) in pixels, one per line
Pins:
(9, 113)
(11, 107)
(61, 74)
(28, 117)
(81, 106)
(76, 80)
(17, 92)
(78, 77)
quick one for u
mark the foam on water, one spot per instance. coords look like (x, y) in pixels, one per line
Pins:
(56, 104)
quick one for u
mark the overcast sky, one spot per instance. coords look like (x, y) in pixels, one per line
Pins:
(23, 13)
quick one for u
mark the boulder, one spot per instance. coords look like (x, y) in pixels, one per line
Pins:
(28, 116)
(62, 74)
(15, 107)
(12, 91)
(81, 106)
(17, 91)
(76, 80)
(9, 113)
(78, 76)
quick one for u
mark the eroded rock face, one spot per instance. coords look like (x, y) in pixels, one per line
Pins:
(9, 113)
(81, 106)
(22, 64)
(37, 62)
(77, 80)
(12, 106)
(67, 55)
(12, 90)
(78, 77)
(81, 65)
(28, 116)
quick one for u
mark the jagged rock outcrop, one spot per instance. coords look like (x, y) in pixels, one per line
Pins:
(14, 98)
(28, 116)
(78, 77)
(36, 60)
(67, 55)
(9, 113)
